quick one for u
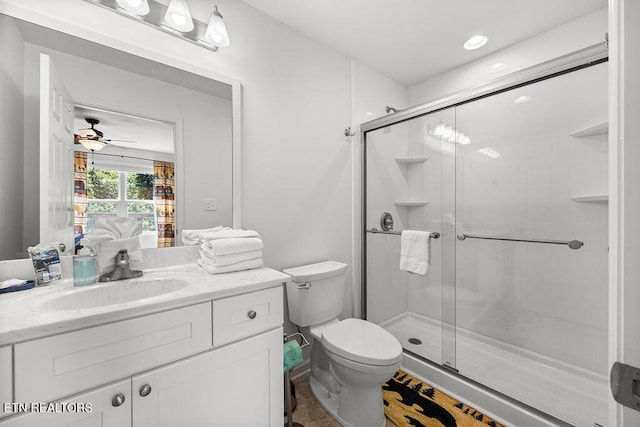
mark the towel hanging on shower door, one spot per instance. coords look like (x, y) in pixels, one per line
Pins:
(414, 251)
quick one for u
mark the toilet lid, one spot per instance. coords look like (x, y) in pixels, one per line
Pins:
(363, 342)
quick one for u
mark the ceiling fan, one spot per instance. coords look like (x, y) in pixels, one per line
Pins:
(93, 139)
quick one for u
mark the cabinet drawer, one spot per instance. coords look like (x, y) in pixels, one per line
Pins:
(6, 384)
(58, 366)
(244, 315)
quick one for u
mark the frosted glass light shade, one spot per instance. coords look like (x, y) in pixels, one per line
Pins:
(178, 16)
(216, 30)
(137, 7)
(92, 144)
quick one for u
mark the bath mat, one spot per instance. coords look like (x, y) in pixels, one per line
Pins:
(409, 402)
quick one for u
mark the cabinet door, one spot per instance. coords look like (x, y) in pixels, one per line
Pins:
(236, 385)
(97, 408)
(6, 385)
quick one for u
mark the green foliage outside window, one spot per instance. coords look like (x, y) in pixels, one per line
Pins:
(140, 186)
(102, 184)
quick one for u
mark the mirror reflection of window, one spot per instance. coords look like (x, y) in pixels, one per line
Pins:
(116, 193)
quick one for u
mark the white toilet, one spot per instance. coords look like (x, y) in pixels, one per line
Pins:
(350, 359)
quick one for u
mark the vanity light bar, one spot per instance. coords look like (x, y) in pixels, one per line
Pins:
(155, 19)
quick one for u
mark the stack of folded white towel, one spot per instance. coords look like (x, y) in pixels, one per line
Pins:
(194, 237)
(224, 250)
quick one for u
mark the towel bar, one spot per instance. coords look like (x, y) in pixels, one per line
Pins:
(432, 235)
(573, 244)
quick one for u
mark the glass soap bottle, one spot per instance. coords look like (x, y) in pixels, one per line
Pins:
(84, 268)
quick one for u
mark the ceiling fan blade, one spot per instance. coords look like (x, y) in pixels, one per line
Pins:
(121, 140)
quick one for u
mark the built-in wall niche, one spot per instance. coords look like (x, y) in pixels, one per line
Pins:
(590, 183)
(412, 170)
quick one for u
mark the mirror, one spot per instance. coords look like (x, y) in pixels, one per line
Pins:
(202, 114)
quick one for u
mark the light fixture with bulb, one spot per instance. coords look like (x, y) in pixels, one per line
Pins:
(136, 7)
(92, 144)
(174, 19)
(216, 30)
(178, 16)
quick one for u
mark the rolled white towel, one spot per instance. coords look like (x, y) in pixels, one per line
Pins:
(118, 227)
(222, 260)
(232, 246)
(194, 237)
(240, 266)
(228, 234)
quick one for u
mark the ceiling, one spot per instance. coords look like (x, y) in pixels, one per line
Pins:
(413, 40)
(149, 135)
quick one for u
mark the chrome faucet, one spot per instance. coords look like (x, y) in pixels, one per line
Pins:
(122, 270)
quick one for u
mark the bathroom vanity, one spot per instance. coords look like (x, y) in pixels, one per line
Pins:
(175, 347)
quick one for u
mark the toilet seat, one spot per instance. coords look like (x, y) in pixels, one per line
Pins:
(363, 342)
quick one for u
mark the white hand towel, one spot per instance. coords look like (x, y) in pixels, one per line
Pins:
(222, 260)
(414, 251)
(233, 246)
(194, 237)
(244, 265)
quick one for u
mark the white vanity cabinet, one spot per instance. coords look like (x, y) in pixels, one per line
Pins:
(110, 407)
(6, 379)
(214, 363)
(236, 385)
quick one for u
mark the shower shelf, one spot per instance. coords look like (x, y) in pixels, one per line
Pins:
(411, 160)
(591, 198)
(601, 129)
(411, 203)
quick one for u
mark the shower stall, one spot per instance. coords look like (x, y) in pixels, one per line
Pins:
(510, 180)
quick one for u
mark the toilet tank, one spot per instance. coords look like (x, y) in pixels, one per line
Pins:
(315, 292)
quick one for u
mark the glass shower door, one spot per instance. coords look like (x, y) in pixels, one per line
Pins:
(408, 175)
(531, 316)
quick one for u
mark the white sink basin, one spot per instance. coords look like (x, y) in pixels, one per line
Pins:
(110, 293)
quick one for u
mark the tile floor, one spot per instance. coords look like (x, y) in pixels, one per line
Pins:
(309, 411)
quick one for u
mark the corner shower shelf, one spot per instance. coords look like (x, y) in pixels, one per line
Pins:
(411, 160)
(601, 129)
(591, 198)
(411, 204)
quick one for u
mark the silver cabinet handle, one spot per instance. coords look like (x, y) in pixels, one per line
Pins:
(252, 314)
(145, 390)
(118, 399)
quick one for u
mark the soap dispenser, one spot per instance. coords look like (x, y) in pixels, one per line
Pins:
(84, 268)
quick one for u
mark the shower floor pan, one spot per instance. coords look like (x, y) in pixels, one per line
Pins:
(570, 393)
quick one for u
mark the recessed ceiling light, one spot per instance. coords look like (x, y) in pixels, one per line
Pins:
(498, 66)
(521, 99)
(476, 42)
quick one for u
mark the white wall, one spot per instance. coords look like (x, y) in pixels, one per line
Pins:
(578, 34)
(11, 137)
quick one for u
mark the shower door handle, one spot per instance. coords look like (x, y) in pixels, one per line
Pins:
(625, 385)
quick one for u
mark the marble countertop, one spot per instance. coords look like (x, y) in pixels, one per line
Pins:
(24, 315)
